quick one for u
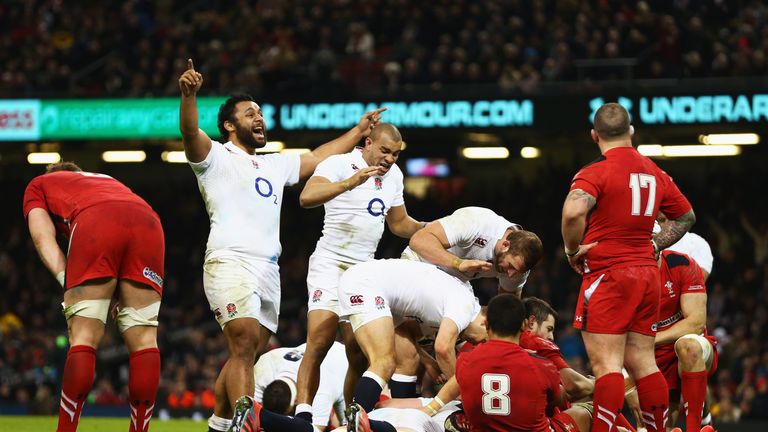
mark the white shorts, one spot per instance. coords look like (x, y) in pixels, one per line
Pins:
(323, 283)
(409, 418)
(237, 288)
(362, 309)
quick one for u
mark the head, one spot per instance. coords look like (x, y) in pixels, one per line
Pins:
(62, 166)
(540, 317)
(240, 120)
(518, 253)
(280, 396)
(611, 124)
(382, 147)
(506, 317)
(476, 332)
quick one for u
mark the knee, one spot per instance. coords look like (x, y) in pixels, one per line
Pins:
(243, 343)
(408, 363)
(688, 351)
(317, 349)
(385, 364)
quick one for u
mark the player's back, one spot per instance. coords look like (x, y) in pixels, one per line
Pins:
(67, 193)
(505, 388)
(630, 190)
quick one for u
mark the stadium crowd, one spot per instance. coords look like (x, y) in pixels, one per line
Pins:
(138, 48)
(32, 330)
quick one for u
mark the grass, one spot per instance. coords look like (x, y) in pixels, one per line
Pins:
(96, 424)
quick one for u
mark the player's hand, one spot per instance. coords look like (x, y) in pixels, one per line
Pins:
(434, 372)
(362, 175)
(577, 261)
(471, 267)
(114, 310)
(369, 120)
(191, 80)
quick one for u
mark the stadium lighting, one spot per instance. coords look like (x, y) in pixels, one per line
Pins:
(656, 150)
(297, 151)
(43, 158)
(734, 139)
(485, 152)
(271, 147)
(173, 157)
(530, 152)
(124, 156)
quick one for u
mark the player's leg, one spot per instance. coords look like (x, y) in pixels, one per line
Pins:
(137, 321)
(403, 382)
(321, 333)
(577, 418)
(377, 341)
(85, 308)
(243, 341)
(606, 354)
(358, 363)
(694, 355)
(652, 389)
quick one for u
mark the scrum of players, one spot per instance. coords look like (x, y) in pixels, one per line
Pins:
(415, 319)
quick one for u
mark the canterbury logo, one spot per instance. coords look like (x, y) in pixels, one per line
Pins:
(356, 299)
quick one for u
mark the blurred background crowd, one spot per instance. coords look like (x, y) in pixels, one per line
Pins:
(288, 47)
(51, 48)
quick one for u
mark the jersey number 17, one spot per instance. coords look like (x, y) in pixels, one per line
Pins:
(642, 181)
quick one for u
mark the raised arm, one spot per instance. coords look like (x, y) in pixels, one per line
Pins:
(341, 144)
(577, 204)
(319, 190)
(401, 224)
(43, 234)
(197, 144)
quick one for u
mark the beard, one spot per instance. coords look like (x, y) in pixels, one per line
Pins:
(245, 136)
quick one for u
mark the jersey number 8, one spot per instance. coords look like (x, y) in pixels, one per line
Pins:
(495, 394)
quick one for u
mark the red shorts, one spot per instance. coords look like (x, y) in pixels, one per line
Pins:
(617, 301)
(562, 422)
(116, 240)
(666, 360)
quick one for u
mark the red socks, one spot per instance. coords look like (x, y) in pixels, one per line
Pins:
(653, 393)
(608, 401)
(77, 381)
(623, 422)
(694, 392)
(143, 379)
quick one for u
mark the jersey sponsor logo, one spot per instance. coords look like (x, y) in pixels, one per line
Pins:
(579, 318)
(654, 327)
(294, 356)
(316, 296)
(695, 287)
(264, 187)
(154, 277)
(379, 302)
(671, 320)
(670, 291)
(377, 183)
(354, 167)
(356, 300)
(231, 309)
(376, 207)
(480, 242)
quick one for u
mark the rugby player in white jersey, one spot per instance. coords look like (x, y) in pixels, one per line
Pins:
(243, 195)
(475, 242)
(471, 243)
(360, 191)
(276, 375)
(378, 295)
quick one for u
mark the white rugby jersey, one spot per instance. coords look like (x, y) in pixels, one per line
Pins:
(472, 233)
(285, 362)
(354, 220)
(697, 248)
(243, 194)
(412, 290)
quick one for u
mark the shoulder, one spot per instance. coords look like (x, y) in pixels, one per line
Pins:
(675, 259)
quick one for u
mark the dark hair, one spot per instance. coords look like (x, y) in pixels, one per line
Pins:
(505, 315)
(611, 121)
(277, 397)
(527, 245)
(227, 112)
(538, 308)
(62, 166)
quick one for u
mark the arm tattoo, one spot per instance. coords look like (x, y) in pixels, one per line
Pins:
(578, 194)
(673, 230)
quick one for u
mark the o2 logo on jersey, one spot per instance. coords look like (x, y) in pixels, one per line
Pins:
(293, 356)
(265, 189)
(376, 207)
